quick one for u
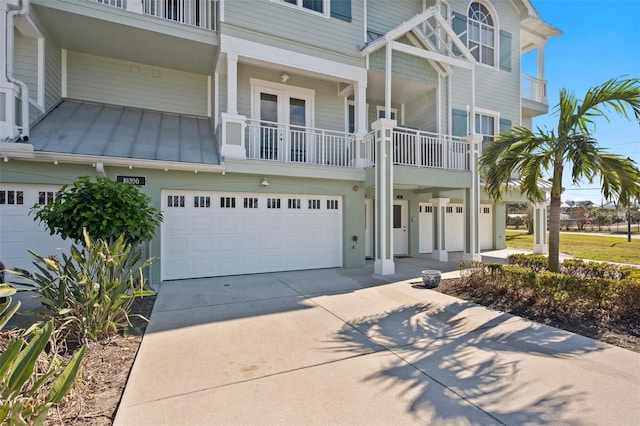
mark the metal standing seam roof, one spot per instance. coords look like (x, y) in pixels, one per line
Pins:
(86, 128)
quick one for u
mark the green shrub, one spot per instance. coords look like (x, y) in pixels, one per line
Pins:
(537, 262)
(31, 382)
(89, 292)
(105, 208)
(580, 268)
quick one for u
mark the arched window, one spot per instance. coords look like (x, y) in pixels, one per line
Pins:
(481, 34)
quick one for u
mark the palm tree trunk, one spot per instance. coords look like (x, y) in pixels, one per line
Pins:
(554, 219)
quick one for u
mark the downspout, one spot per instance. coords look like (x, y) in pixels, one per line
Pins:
(24, 90)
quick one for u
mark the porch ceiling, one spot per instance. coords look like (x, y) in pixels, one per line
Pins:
(402, 91)
(113, 33)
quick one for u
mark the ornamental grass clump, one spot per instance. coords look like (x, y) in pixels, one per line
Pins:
(89, 292)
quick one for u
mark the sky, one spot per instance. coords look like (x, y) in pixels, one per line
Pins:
(600, 40)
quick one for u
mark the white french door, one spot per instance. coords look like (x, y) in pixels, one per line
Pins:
(285, 114)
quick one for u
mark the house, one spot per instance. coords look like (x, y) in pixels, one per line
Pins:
(273, 134)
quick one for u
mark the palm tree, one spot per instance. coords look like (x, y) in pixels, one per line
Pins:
(530, 155)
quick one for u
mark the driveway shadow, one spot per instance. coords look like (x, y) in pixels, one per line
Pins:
(494, 365)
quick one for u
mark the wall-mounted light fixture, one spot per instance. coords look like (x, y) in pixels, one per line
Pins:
(264, 182)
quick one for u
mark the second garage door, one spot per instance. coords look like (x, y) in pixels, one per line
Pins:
(208, 234)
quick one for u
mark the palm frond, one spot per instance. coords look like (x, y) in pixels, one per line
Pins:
(616, 94)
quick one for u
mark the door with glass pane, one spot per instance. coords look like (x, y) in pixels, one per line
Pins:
(283, 126)
(270, 134)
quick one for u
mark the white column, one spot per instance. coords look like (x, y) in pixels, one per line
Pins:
(540, 244)
(360, 100)
(233, 126)
(383, 264)
(3, 44)
(388, 72)
(232, 83)
(541, 62)
(472, 203)
(134, 6)
(439, 229)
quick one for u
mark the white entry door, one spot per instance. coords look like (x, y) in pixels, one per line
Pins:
(400, 233)
(454, 231)
(425, 223)
(206, 234)
(485, 221)
(368, 228)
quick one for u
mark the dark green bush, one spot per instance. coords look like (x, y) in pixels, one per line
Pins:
(537, 262)
(105, 208)
(583, 288)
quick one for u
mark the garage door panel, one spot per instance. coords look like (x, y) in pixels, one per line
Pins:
(19, 231)
(241, 240)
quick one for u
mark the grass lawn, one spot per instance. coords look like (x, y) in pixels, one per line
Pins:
(593, 247)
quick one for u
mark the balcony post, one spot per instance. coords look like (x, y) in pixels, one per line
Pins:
(360, 98)
(472, 203)
(232, 83)
(540, 244)
(232, 136)
(8, 95)
(134, 6)
(383, 264)
(439, 251)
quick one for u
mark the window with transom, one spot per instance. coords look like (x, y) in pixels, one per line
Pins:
(481, 34)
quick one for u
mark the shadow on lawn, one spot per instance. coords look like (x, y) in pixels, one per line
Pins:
(453, 366)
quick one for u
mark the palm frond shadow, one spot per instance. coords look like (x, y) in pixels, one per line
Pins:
(446, 364)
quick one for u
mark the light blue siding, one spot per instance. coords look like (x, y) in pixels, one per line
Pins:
(113, 81)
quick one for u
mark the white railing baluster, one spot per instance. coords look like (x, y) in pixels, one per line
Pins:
(198, 13)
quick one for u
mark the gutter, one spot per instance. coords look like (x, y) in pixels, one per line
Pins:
(12, 151)
(24, 90)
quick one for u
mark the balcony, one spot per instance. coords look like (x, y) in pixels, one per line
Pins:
(302, 145)
(197, 13)
(241, 138)
(534, 89)
(417, 148)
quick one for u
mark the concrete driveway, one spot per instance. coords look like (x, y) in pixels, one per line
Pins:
(338, 346)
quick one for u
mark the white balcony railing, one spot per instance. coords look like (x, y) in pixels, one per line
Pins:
(295, 144)
(198, 13)
(425, 149)
(534, 89)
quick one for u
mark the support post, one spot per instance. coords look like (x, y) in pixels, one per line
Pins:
(472, 203)
(232, 83)
(440, 252)
(360, 98)
(540, 244)
(384, 264)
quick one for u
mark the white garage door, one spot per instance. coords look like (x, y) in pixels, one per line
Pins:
(207, 234)
(454, 233)
(486, 227)
(19, 231)
(425, 224)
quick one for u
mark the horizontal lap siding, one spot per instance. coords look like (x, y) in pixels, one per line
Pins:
(496, 89)
(113, 81)
(52, 74)
(290, 23)
(422, 113)
(25, 68)
(406, 66)
(385, 15)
